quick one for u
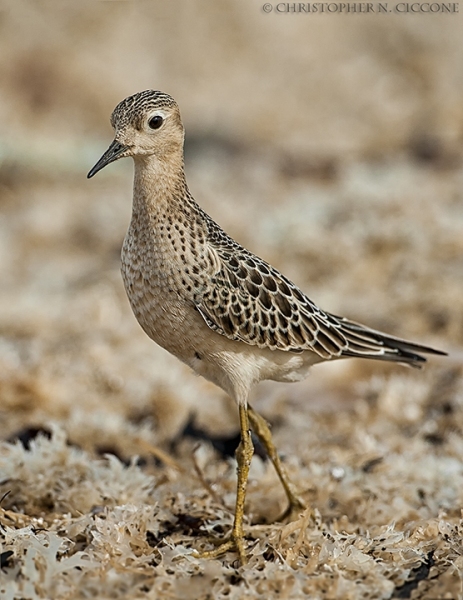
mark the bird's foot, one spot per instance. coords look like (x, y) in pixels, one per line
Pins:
(234, 543)
(295, 507)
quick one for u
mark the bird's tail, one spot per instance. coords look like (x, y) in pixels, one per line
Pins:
(369, 343)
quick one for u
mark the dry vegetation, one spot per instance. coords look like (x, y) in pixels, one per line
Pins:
(330, 146)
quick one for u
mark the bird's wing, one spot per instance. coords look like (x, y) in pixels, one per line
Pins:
(246, 299)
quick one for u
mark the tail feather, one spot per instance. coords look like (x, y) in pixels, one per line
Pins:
(369, 343)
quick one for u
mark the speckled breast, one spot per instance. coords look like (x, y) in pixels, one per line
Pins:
(160, 293)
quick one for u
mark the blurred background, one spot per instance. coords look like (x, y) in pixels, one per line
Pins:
(331, 145)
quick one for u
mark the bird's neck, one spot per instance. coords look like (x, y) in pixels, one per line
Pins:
(159, 185)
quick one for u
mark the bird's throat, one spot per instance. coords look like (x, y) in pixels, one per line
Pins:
(159, 184)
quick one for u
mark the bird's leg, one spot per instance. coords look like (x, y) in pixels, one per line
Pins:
(244, 454)
(262, 430)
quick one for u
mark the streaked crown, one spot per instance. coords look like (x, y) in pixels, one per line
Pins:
(133, 109)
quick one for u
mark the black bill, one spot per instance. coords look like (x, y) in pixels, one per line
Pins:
(112, 153)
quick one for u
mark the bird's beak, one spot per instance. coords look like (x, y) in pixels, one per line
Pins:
(114, 152)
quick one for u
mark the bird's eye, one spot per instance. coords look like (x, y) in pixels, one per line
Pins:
(155, 122)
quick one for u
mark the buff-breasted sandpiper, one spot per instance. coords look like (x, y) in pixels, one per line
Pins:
(223, 311)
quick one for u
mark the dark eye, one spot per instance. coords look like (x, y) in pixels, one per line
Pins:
(155, 122)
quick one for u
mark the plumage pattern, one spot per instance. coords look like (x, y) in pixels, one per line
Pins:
(216, 306)
(246, 299)
(239, 295)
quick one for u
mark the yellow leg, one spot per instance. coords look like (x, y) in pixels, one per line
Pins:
(262, 430)
(244, 454)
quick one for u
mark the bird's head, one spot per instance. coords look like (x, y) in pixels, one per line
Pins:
(146, 124)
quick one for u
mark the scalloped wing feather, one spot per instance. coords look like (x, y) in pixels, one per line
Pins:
(247, 299)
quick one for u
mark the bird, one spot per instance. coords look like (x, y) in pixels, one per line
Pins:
(216, 306)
